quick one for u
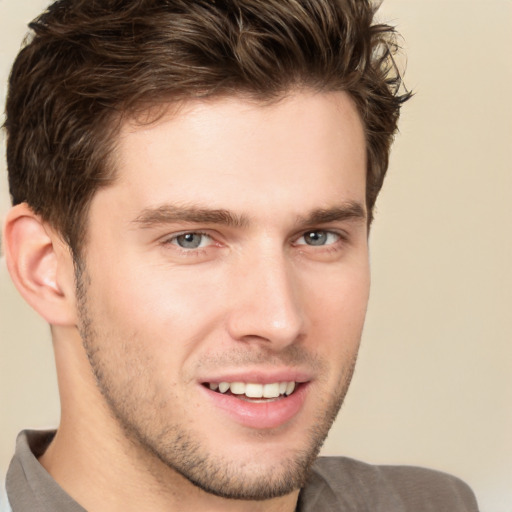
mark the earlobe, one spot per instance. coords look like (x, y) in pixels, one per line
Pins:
(40, 265)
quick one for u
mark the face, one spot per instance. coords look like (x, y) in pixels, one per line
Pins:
(225, 284)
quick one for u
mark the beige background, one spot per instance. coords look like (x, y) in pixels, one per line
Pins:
(434, 382)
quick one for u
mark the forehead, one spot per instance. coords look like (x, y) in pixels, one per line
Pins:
(245, 153)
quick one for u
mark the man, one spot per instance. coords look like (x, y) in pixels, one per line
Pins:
(193, 184)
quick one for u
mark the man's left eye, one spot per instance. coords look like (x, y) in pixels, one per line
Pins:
(318, 238)
(191, 240)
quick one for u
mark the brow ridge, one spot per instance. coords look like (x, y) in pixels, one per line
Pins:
(171, 213)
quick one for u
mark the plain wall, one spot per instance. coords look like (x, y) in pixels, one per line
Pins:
(434, 381)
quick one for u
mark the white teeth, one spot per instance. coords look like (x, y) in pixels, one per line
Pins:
(253, 390)
(271, 390)
(223, 387)
(237, 388)
(290, 387)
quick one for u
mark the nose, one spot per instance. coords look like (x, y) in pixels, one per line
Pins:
(266, 302)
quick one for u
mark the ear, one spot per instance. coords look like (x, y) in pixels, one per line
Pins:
(41, 265)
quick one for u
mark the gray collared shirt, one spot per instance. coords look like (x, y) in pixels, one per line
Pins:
(337, 484)
(29, 486)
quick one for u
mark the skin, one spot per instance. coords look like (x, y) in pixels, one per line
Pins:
(152, 321)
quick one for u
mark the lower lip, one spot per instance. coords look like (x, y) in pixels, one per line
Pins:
(260, 415)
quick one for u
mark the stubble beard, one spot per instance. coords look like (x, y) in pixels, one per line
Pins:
(179, 447)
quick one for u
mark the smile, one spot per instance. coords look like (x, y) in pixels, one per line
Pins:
(258, 405)
(254, 390)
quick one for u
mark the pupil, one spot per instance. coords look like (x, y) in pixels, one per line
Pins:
(189, 240)
(316, 238)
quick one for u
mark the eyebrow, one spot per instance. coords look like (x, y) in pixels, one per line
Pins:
(347, 211)
(168, 214)
(171, 213)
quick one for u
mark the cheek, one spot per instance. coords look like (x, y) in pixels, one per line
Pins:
(339, 302)
(144, 293)
(337, 313)
(159, 311)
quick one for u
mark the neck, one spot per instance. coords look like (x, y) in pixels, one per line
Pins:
(121, 481)
(104, 470)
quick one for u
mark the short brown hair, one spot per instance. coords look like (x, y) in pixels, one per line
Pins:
(89, 63)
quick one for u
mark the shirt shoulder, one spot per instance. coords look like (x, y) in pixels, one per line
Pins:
(341, 483)
(4, 502)
(30, 488)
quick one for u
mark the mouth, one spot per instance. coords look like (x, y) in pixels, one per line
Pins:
(259, 402)
(254, 392)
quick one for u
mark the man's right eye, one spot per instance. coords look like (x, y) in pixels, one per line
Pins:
(191, 240)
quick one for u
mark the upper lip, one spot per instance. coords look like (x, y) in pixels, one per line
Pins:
(260, 376)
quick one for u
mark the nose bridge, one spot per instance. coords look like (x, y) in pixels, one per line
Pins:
(267, 304)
